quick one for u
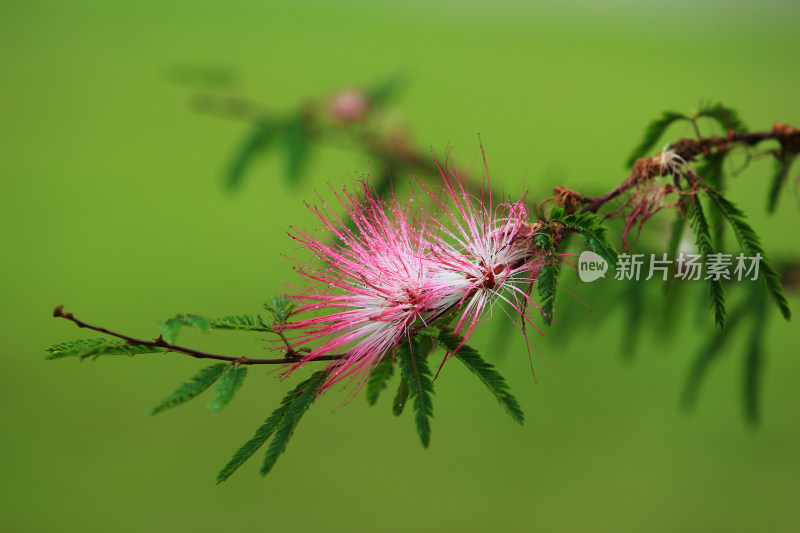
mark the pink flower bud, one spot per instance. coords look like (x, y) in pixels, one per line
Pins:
(349, 105)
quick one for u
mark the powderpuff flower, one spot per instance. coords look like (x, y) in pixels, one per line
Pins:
(396, 267)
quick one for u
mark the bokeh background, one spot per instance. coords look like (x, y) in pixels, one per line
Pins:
(112, 205)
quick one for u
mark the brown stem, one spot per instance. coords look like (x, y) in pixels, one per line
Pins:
(58, 312)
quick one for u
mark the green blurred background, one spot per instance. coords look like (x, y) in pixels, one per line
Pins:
(112, 205)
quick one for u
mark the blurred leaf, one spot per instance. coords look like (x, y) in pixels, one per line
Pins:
(241, 323)
(95, 347)
(383, 187)
(411, 356)
(226, 386)
(635, 308)
(255, 143)
(708, 354)
(654, 132)
(727, 117)
(380, 93)
(296, 407)
(754, 359)
(751, 245)
(170, 328)
(297, 147)
(782, 166)
(379, 377)
(189, 389)
(556, 213)
(485, 372)
(269, 426)
(676, 233)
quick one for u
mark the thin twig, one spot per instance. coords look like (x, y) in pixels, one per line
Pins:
(58, 312)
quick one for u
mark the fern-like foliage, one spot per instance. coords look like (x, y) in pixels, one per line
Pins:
(282, 423)
(716, 293)
(190, 389)
(484, 371)
(280, 307)
(593, 233)
(170, 328)
(751, 245)
(751, 313)
(546, 281)
(781, 173)
(653, 133)
(227, 385)
(727, 117)
(411, 356)
(378, 378)
(241, 323)
(400, 398)
(712, 173)
(84, 348)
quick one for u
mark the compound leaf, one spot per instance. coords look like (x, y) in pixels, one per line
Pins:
(484, 371)
(411, 356)
(226, 386)
(84, 348)
(189, 389)
(270, 425)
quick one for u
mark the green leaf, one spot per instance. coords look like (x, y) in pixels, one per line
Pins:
(676, 233)
(189, 389)
(241, 323)
(708, 354)
(280, 307)
(400, 398)
(716, 293)
(546, 282)
(269, 426)
(256, 142)
(726, 117)
(170, 328)
(296, 408)
(654, 132)
(382, 92)
(484, 371)
(754, 358)
(751, 245)
(636, 309)
(556, 212)
(782, 166)
(297, 147)
(94, 347)
(226, 386)
(411, 356)
(594, 234)
(711, 172)
(379, 377)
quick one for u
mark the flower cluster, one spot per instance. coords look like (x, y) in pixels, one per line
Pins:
(390, 268)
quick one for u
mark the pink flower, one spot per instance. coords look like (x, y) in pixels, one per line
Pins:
(398, 266)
